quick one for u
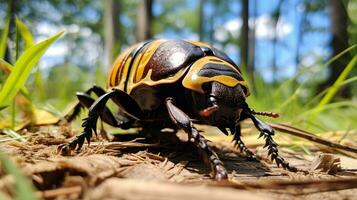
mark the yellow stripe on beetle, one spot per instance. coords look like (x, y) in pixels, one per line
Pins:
(140, 67)
(113, 74)
(122, 78)
(198, 43)
(118, 65)
(194, 82)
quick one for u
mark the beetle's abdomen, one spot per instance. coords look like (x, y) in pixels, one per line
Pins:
(166, 61)
(152, 63)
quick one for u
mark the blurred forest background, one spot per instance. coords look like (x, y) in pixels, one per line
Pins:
(290, 51)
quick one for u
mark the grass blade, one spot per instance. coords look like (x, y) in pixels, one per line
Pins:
(334, 88)
(14, 135)
(23, 188)
(7, 67)
(22, 69)
(318, 96)
(28, 39)
(3, 39)
(340, 54)
(25, 33)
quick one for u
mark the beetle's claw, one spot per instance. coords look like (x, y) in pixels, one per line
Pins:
(220, 173)
(242, 148)
(65, 149)
(284, 164)
(274, 155)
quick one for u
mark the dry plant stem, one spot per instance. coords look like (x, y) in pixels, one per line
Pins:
(132, 189)
(300, 187)
(311, 137)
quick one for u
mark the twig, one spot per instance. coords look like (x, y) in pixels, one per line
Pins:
(303, 187)
(311, 137)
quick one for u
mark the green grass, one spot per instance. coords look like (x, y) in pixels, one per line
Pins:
(25, 33)
(299, 105)
(22, 70)
(4, 35)
(334, 88)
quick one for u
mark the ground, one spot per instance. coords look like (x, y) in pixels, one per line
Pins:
(139, 169)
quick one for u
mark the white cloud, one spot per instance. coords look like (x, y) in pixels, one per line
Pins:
(264, 24)
(47, 29)
(233, 26)
(57, 49)
(265, 29)
(221, 34)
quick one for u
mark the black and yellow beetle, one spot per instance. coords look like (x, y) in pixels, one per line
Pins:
(171, 84)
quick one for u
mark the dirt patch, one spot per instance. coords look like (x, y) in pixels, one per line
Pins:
(139, 169)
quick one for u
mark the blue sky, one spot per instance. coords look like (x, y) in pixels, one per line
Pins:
(313, 46)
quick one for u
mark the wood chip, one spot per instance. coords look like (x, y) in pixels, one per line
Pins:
(328, 163)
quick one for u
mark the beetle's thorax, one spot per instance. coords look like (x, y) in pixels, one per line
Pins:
(211, 68)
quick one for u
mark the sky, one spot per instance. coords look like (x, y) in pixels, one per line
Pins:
(313, 45)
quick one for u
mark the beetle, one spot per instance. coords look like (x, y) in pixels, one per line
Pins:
(161, 84)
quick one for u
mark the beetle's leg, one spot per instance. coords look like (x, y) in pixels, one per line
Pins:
(106, 115)
(236, 131)
(90, 123)
(209, 156)
(83, 102)
(267, 132)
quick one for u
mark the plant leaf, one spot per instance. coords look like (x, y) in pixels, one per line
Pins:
(22, 69)
(5, 66)
(334, 88)
(3, 39)
(25, 33)
(14, 135)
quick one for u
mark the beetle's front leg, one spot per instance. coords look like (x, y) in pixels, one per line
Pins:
(267, 132)
(209, 156)
(84, 102)
(90, 123)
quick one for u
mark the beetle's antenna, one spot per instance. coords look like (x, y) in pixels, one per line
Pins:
(209, 111)
(268, 114)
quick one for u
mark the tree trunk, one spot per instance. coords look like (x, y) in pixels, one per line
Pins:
(276, 17)
(112, 28)
(201, 19)
(339, 43)
(144, 18)
(251, 48)
(244, 37)
(299, 39)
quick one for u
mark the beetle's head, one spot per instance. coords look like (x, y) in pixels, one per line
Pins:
(222, 104)
(219, 91)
